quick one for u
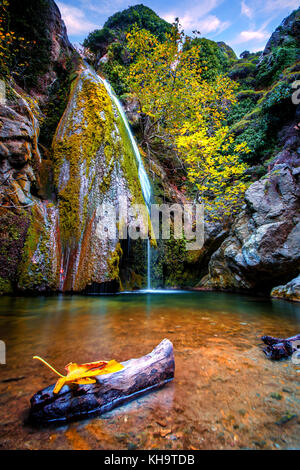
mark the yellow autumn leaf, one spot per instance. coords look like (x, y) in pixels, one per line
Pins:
(81, 373)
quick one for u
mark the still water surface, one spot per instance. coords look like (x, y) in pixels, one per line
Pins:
(226, 394)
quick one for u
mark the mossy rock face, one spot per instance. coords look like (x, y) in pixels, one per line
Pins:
(259, 115)
(19, 132)
(13, 229)
(94, 164)
(58, 244)
(281, 51)
(40, 264)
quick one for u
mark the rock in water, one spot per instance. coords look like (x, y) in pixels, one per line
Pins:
(279, 348)
(139, 376)
(290, 291)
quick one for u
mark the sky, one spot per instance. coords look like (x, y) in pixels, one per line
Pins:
(243, 24)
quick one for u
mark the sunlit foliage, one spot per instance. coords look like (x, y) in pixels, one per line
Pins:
(189, 112)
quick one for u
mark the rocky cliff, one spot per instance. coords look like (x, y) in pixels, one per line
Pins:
(65, 151)
(50, 195)
(262, 249)
(30, 103)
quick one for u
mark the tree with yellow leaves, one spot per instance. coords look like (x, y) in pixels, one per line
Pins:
(6, 39)
(188, 113)
(14, 57)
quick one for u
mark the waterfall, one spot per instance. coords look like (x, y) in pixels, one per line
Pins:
(148, 264)
(143, 177)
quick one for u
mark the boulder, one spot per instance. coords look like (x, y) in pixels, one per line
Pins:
(263, 247)
(290, 291)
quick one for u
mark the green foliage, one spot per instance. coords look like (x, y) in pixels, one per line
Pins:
(116, 74)
(143, 17)
(121, 22)
(256, 136)
(244, 73)
(111, 40)
(98, 40)
(273, 65)
(239, 110)
(13, 229)
(261, 113)
(228, 51)
(114, 69)
(260, 127)
(212, 59)
(280, 92)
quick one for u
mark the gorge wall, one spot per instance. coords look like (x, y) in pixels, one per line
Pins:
(50, 197)
(65, 151)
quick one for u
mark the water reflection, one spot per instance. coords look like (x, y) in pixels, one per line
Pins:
(222, 393)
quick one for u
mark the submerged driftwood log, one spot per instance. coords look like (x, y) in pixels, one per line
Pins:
(279, 348)
(139, 376)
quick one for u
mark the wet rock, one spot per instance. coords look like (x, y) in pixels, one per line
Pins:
(276, 396)
(285, 418)
(94, 166)
(290, 291)
(263, 246)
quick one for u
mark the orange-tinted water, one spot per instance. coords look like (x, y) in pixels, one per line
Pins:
(226, 394)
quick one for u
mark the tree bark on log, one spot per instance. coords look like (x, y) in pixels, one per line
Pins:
(279, 348)
(138, 376)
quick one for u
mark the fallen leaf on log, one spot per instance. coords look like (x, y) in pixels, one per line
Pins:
(137, 377)
(81, 374)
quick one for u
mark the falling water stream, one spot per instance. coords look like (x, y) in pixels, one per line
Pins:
(143, 177)
(226, 394)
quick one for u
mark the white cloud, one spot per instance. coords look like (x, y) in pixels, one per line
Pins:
(75, 20)
(272, 5)
(104, 7)
(246, 36)
(197, 17)
(246, 10)
(251, 37)
(211, 24)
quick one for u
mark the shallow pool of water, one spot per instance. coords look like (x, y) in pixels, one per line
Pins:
(225, 395)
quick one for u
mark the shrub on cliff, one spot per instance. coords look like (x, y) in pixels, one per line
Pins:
(211, 57)
(145, 18)
(110, 42)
